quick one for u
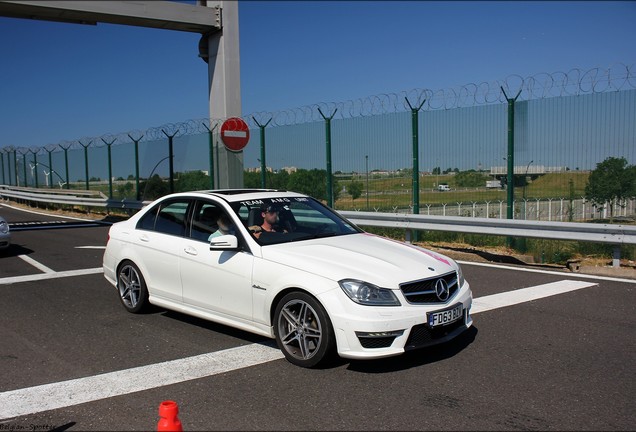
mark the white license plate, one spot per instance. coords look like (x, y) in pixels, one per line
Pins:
(446, 316)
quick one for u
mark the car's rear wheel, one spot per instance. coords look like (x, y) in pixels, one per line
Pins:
(132, 287)
(303, 330)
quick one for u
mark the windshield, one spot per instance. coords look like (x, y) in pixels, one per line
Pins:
(285, 219)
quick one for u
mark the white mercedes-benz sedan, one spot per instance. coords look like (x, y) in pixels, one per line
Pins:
(283, 265)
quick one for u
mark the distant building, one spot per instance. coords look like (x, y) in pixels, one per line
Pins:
(258, 169)
(527, 169)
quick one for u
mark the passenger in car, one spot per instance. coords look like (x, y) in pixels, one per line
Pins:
(226, 227)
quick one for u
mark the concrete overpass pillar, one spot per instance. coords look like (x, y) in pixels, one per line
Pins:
(221, 51)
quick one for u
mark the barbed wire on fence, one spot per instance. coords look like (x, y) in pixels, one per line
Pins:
(539, 86)
(575, 82)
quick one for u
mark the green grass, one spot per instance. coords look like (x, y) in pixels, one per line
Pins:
(386, 193)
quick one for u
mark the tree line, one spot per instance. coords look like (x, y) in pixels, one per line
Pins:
(311, 182)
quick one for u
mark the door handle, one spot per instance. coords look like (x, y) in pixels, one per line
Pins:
(190, 251)
(144, 238)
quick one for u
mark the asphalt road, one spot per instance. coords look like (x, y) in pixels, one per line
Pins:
(562, 362)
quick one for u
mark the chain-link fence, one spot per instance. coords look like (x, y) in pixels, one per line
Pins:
(521, 147)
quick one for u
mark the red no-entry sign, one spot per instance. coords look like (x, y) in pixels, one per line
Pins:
(235, 134)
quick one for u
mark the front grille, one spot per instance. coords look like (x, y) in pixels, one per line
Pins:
(423, 335)
(423, 291)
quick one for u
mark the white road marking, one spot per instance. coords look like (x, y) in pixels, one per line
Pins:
(45, 276)
(90, 247)
(36, 264)
(73, 392)
(46, 397)
(531, 270)
(511, 298)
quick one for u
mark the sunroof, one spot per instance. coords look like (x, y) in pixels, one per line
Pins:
(240, 191)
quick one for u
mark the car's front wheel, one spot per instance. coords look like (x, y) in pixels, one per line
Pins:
(133, 292)
(303, 330)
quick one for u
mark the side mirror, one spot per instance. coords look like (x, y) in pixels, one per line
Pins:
(225, 242)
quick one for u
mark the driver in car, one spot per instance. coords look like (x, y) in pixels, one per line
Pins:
(269, 212)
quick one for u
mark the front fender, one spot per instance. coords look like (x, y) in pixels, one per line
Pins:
(271, 280)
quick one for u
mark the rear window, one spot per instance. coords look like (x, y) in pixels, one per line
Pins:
(167, 218)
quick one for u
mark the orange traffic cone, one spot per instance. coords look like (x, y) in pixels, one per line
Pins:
(169, 421)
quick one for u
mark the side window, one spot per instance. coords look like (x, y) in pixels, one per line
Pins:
(147, 222)
(169, 218)
(204, 220)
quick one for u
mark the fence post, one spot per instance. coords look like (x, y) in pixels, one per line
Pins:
(136, 141)
(49, 151)
(15, 165)
(24, 153)
(571, 190)
(416, 153)
(66, 162)
(8, 151)
(510, 181)
(16, 168)
(263, 164)
(328, 145)
(35, 166)
(2, 164)
(110, 168)
(416, 160)
(511, 153)
(86, 160)
(170, 159)
(211, 152)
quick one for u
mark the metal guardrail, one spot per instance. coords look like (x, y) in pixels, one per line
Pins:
(614, 234)
(68, 197)
(592, 232)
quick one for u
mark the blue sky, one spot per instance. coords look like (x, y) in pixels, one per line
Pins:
(63, 81)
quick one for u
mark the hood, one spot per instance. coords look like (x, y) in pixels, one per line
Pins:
(378, 260)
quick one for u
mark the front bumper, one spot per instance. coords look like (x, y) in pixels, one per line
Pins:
(365, 332)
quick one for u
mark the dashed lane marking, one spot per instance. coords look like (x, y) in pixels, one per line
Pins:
(511, 298)
(40, 225)
(36, 264)
(48, 273)
(63, 394)
(549, 272)
(68, 393)
(45, 276)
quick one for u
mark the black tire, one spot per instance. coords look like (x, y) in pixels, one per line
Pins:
(303, 330)
(132, 289)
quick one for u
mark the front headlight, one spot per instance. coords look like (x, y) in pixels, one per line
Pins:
(368, 294)
(4, 227)
(460, 275)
